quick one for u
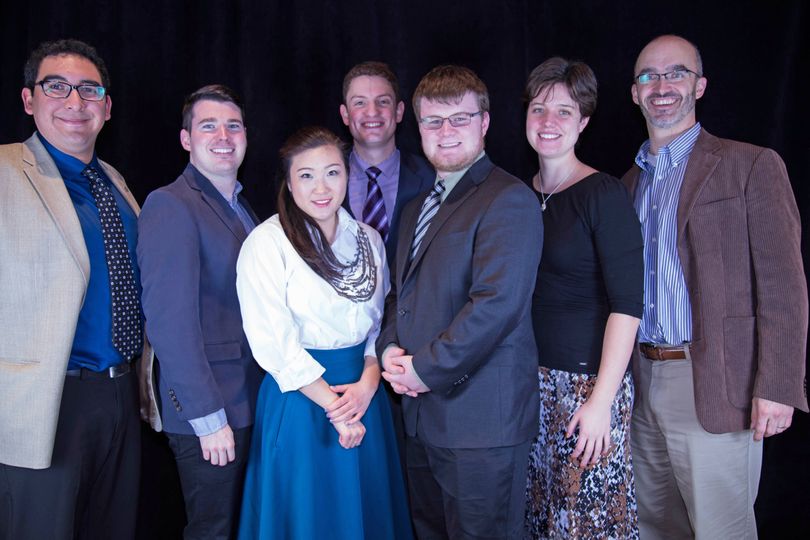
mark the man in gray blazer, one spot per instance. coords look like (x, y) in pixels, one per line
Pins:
(457, 338)
(189, 236)
(721, 356)
(70, 315)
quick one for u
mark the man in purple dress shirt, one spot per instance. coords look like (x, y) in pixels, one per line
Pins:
(372, 108)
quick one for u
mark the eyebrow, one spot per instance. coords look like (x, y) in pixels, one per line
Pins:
(672, 67)
(212, 119)
(363, 96)
(62, 78)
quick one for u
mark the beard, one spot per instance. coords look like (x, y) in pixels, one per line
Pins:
(666, 121)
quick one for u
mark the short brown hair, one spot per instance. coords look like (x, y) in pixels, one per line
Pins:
(371, 69)
(212, 92)
(576, 76)
(448, 84)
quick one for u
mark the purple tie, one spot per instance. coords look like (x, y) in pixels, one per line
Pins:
(374, 209)
(126, 311)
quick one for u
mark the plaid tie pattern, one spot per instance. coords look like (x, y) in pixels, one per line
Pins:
(374, 210)
(126, 312)
(429, 209)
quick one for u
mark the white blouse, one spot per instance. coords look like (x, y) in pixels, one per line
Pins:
(286, 307)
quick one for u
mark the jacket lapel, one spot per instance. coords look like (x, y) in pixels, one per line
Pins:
(47, 182)
(702, 162)
(216, 202)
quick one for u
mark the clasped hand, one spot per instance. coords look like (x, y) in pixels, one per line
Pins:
(400, 374)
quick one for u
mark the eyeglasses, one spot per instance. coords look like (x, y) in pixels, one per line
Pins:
(460, 119)
(61, 90)
(675, 75)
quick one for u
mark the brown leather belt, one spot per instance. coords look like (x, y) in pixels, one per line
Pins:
(653, 351)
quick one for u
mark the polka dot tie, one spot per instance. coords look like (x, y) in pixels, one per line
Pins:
(126, 312)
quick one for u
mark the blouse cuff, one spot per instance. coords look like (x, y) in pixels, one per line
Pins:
(300, 371)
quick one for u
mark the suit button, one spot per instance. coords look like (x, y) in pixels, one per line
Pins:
(402, 311)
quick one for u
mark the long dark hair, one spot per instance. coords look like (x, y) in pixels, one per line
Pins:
(302, 231)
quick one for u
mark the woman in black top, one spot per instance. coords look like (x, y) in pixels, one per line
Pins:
(586, 309)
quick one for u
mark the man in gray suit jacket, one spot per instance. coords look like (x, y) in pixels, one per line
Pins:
(457, 337)
(190, 234)
(721, 358)
(69, 311)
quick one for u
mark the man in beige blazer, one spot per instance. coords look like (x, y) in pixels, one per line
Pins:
(721, 356)
(69, 430)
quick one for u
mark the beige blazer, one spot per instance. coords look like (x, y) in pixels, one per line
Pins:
(739, 242)
(44, 270)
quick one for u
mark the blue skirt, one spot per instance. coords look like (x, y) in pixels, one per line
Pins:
(301, 484)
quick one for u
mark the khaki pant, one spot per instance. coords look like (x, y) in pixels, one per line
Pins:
(689, 483)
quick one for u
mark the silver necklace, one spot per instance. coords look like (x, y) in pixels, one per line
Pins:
(553, 191)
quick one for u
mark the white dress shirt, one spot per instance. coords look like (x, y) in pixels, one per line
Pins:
(287, 308)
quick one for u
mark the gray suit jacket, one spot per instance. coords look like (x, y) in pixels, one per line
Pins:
(462, 309)
(188, 242)
(44, 271)
(739, 245)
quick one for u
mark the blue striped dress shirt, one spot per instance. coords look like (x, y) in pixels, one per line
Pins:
(667, 314)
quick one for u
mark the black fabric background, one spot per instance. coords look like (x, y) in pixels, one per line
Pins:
(288, 59)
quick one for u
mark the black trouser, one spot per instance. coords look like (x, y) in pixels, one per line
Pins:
(212, 494)
(91, 488)
(463, 493)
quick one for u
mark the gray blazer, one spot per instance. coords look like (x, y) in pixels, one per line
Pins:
(462, 309)
(44, 271)
(739, 244)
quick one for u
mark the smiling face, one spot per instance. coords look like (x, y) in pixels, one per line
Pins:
(317, 180)
(371, 112)
(553, 122)
(216, 139)
(70, 124)
(668, 106)
(449, 148)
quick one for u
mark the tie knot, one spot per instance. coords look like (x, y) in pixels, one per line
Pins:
(373, 173)
(91, 174)
(439, 187)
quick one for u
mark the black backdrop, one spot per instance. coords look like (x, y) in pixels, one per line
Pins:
(288, 59)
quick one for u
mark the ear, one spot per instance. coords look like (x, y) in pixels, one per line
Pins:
(484, 123)
(185, 140)
(107, 107)
(583, 122)
(400, 111)
(344, 114)
(634, 93)
(700, 87)
(27, 99)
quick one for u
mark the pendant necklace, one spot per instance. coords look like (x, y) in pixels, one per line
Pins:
(553, 191)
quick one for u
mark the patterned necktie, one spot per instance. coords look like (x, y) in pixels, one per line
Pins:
(126, 313)
(374, 210)
(429, 209)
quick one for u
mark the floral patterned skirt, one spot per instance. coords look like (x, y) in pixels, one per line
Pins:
(564, 501)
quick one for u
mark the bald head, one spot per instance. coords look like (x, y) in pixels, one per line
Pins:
(674, 45)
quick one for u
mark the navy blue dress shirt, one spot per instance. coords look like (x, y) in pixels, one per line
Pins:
(92, 345)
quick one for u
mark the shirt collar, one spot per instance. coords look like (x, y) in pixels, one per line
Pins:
(236, 191)
(677, 150)
(387, 166)
(453, 178)
(69, 166)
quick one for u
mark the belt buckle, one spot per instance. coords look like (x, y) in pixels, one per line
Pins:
(120, 369)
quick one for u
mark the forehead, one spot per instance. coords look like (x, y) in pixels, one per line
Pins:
(221, 110)
(70, 67)
(666, 53)
(556, 93)
(469, 103)
(320, 156)
(369, 86)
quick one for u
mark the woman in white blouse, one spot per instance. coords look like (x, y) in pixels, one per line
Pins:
(312, 282)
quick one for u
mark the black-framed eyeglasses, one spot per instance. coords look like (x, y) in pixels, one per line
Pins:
(675, 75)
(460, 119)
(61, 90)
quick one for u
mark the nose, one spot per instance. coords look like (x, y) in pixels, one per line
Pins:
(73, 101)
(446, 126)
(223, 132)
